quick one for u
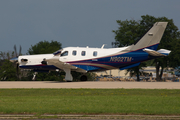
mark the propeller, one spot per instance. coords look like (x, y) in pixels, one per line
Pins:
(17, 69)
(16, 59)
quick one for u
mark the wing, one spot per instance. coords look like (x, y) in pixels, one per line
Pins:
(63, 65)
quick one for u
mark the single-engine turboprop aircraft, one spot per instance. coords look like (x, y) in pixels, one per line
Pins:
(85, 59)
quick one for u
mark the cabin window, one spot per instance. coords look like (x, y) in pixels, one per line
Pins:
(74, 52)
(83, 53)
(65, 53)
(95, 53)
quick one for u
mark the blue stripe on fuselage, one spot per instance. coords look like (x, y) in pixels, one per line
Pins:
(39, 67)
(88, 67)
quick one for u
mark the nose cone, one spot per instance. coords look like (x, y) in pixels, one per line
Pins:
(15, 59)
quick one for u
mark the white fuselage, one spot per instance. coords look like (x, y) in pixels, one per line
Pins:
(90, 53)
(82, 53)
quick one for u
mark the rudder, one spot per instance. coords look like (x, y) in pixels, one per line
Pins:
(152, 38)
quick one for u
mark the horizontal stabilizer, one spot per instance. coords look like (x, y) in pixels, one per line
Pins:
(164, 51)
(130, 66)
(161, 52)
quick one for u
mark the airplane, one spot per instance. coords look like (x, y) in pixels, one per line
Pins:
(85, 59)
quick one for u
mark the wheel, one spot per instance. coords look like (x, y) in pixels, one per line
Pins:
(83, 78)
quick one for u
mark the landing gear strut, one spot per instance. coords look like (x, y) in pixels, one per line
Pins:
(68, 76)
(34, 76)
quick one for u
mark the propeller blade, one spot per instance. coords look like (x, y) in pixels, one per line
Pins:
(15, 50)
(17, 69)
(20, 50)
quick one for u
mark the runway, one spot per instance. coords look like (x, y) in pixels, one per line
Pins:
(90, 84)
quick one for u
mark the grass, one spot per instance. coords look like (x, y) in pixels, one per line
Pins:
(90, 101)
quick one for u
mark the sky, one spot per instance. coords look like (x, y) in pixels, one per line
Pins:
(73, 22)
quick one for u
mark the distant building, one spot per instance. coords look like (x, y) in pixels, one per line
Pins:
(114, 73)
(150, 71)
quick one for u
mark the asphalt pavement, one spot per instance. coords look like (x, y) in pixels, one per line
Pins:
(90, 84)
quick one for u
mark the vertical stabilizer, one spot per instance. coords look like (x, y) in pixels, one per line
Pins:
(152, 37)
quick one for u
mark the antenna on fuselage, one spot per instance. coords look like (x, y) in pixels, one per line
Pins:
(103, 46)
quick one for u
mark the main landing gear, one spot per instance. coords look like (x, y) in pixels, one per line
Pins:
(69, 78)
(83, 78)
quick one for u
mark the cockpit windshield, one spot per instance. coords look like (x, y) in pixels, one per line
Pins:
(57, 52)
(65, 53)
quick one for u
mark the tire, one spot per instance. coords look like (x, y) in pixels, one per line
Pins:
(83, 78)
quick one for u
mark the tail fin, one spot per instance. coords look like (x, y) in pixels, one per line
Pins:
(152, 38)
